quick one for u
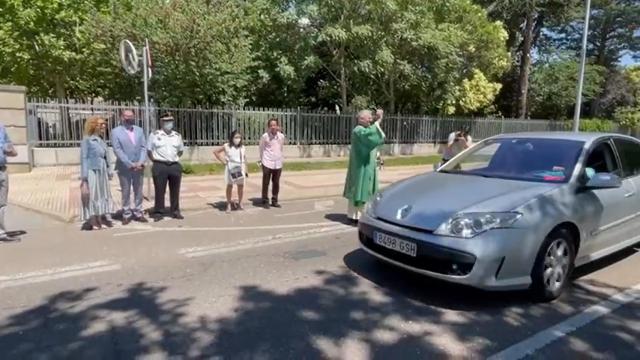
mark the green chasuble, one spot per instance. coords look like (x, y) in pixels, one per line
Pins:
(362, 176)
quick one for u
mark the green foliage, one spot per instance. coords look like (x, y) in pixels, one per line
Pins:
(201, 51)
(628, 117)
(47, 45)
(632, 74)
(553, 87)
(597, 125)
(613, 31)
(477, 93)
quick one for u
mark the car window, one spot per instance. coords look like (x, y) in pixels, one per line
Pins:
(527, 159)
(629, 152)
(602, 159)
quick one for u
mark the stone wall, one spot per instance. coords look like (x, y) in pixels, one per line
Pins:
(13, 116)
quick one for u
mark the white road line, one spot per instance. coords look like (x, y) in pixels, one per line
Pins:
(265, 241)
(299, 213)
(318, 206)
(546, 337)
(234, 228)
(57, 273)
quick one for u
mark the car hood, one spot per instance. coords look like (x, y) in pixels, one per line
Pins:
(426, 201)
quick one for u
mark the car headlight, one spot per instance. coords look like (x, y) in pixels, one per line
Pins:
(471, 224)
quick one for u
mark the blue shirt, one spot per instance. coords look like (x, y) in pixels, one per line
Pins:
(4, 141)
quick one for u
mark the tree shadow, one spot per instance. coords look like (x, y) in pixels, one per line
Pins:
(334, 315)
(73, 325)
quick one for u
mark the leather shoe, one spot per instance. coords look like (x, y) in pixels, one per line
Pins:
(142, 219)
(178, 216)
(126, 221)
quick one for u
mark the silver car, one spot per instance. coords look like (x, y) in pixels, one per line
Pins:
(513, 212)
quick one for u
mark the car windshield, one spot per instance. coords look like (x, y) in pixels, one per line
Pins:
(526, 159)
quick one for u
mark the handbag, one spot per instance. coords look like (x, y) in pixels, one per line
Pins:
(85, 194)
(236, 172)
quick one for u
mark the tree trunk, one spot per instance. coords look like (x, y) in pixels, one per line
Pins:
(343, 81)
(392, 96)
(61, 93)
(525, 63)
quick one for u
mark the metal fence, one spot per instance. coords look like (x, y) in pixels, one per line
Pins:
(60, 124)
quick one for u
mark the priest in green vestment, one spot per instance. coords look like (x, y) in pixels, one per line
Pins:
(362, 176)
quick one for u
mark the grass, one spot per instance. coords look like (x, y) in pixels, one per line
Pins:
(218, 169)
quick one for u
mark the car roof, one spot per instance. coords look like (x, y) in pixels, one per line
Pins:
(586, 137)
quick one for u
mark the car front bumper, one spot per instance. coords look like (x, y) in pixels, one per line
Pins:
(494, 260)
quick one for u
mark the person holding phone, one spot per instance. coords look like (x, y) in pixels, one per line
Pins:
(457, 142)
(7, 151)
(233, 156)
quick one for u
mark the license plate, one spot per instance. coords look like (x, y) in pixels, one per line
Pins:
(393, 243)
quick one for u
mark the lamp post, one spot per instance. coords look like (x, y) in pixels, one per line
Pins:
(583, 60)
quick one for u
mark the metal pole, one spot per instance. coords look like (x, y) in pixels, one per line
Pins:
(583, 60)
(145, 76)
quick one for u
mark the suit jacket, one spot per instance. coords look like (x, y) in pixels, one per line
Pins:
(94, 155)
(126, 152)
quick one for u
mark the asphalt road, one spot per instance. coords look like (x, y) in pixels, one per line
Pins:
(285, 283)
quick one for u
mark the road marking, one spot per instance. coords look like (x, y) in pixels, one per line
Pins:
(546, 337)
(318, 206)
(57, 273)
(265, 241)
(144, 229)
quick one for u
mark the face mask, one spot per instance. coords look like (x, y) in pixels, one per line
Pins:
(129, 123)
(168, 126)
(236, 141)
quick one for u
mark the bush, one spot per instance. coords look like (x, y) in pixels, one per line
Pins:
(596, 125)
(187, 169)
(628, 117)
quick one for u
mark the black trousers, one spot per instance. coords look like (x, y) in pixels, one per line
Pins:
(162, 173)
(270, 175)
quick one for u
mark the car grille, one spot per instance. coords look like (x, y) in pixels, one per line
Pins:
(433, 258)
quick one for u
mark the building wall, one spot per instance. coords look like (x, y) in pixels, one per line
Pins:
(14, 117)
(204, 154)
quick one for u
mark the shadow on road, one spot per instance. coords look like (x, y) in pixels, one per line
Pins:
(403, 316)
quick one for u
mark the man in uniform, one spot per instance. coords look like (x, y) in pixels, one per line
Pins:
(362, 176)
(165, 148)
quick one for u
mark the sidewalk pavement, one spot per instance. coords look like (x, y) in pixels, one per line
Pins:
(55, 191)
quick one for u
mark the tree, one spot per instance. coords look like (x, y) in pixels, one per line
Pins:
(613, 31)
(45, 44)
(201, 51)
(553, 87)
(525, 21)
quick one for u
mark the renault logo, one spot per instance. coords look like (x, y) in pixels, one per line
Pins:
(403, 212)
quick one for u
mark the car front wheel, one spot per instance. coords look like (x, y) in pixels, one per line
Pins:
(553, 267)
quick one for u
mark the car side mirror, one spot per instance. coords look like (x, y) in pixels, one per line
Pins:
(604, 181)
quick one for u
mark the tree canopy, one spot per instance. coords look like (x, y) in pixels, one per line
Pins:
(463, 57)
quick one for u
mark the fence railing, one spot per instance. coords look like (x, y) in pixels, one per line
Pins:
(60, 124)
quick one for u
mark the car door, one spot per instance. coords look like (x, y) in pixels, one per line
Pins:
(608, 211)
(628, 150)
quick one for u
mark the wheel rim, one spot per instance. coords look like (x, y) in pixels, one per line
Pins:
(556, 265)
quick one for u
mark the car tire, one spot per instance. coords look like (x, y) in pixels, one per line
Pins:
(553, 266)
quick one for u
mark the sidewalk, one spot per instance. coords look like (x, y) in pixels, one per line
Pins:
(55, 191)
